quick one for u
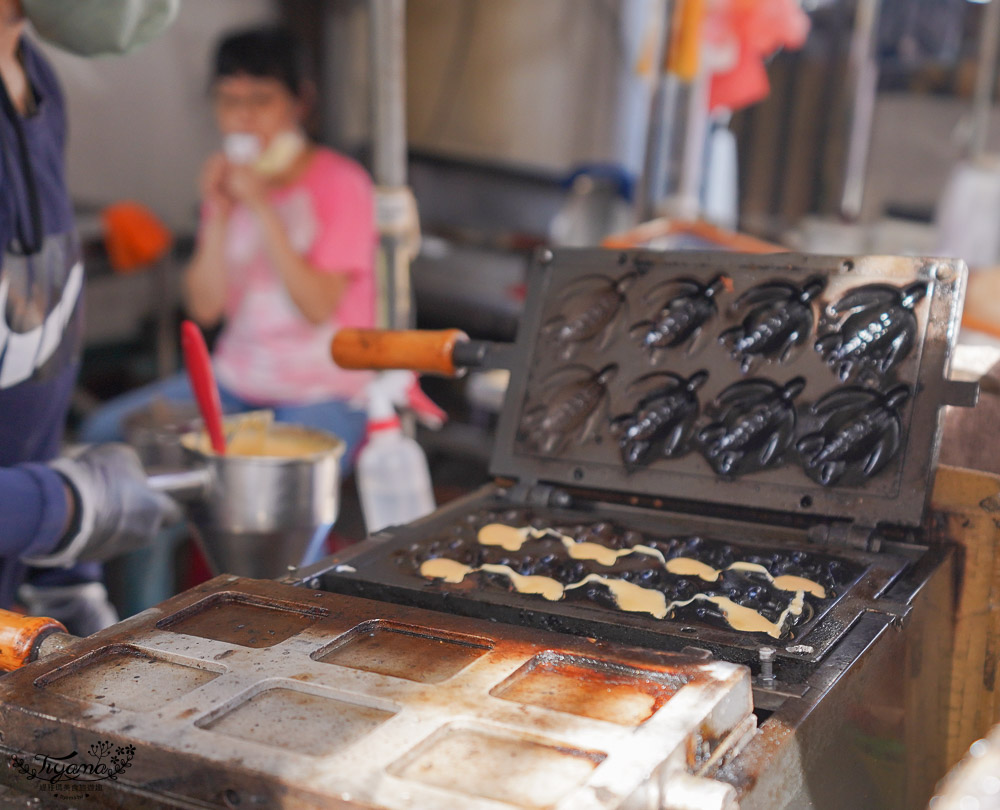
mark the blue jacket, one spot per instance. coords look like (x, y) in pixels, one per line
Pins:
(40, 327)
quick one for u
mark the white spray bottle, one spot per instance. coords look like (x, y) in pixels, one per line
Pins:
(393, 479)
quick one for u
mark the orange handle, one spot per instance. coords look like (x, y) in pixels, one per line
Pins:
(20, 635)
(426, 352)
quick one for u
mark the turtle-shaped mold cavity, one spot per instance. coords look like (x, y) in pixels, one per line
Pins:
(567, 409)
(662, 421)
(878, 333)
(756, 425)
(861, 433)
(688, 306)
(588, 311)
(779, 316)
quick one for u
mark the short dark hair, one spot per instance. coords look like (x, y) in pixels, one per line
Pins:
(267, 52)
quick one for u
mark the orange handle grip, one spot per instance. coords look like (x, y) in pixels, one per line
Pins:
(20, 635)
(427, 352)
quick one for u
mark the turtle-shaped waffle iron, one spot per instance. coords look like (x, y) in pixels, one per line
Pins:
(780, 316)
(756, 425)
(662, 420)
(680, 320)
(861, 433)
(878, 334)
(567, 410)
(589, 308)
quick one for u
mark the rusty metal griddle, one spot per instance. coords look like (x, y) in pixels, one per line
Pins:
(244, 693)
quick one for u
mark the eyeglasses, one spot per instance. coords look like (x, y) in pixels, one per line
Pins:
(255, 100)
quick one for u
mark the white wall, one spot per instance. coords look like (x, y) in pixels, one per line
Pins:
(140, 125)
(540, 84)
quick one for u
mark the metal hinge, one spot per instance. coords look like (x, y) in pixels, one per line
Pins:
(898, 612)
(846, 535)
(538, 495)
(965, 393)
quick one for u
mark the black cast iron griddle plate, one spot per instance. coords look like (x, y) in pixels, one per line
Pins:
(389, 569)
(590, 364)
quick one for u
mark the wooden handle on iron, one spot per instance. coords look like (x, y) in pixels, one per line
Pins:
(20, 637)
(427, 352)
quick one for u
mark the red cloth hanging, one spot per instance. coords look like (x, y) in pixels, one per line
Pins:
(755, 29)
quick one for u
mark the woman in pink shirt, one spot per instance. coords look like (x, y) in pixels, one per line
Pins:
(285, 251)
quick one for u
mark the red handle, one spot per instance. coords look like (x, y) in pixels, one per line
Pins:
(206, 392)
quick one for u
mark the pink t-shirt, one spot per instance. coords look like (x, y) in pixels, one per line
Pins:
(268, 352)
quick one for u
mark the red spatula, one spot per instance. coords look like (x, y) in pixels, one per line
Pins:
(206, 392)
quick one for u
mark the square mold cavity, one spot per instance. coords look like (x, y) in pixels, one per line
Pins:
(587, 688)
(126, 677)
(493, 764)
(298, 721)
(244, 620)
(404, 651)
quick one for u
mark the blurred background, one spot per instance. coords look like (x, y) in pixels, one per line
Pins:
(829, 126)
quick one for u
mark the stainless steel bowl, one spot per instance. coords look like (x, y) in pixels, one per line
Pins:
(255, 514)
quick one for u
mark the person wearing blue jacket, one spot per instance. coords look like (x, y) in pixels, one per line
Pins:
(59, 517)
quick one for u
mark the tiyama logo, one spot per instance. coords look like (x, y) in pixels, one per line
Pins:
(89, 767)
(23, 352)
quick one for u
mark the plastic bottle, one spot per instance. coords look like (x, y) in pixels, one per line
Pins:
(393, 479)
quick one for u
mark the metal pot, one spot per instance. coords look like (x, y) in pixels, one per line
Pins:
(255, 514)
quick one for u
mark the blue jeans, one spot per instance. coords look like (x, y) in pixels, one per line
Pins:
(149, 571)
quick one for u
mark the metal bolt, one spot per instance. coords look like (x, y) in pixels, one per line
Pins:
(943, 272)
(766, 656)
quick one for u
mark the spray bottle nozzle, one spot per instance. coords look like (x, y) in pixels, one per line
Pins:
(426, 410)
(400, 389)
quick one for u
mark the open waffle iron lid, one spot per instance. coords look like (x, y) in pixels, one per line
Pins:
(801, 384)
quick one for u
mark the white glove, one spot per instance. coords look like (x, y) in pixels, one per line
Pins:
(83, 608)
(117, 511)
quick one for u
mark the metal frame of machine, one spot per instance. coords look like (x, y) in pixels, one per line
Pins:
(850, 700)
(875, 525)
(813, 688)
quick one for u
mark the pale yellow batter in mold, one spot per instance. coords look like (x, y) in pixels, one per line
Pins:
(628, 596)
(511, 538)
(686, 567)
(454, 572)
